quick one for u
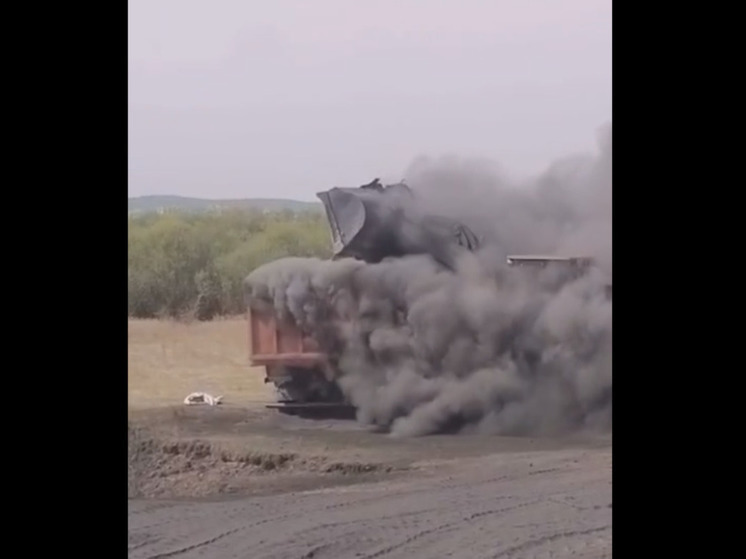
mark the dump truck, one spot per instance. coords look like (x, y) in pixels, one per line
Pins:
(370, 223)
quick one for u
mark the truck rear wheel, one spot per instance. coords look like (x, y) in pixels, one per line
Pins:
(301, 385)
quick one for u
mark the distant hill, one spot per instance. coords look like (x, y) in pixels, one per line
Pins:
(145, 204)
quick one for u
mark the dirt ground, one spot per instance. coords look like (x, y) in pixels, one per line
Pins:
(249, 482)
(239, 480)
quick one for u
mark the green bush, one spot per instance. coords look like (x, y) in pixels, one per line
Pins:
(181, 263)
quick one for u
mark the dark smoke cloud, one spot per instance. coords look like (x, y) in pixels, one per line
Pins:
(488, 348)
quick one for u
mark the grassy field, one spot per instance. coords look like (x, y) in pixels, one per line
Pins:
(168, 360)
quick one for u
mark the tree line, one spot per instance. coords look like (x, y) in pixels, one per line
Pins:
(193, 264)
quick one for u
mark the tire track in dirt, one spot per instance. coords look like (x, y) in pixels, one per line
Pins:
(382, 519)
(185, 549)
(471, 508)
(466, 489)
(403, 547)
(447, 526)
(191, 511)
(536, 542)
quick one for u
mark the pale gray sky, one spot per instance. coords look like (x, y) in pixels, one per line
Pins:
(240, 98)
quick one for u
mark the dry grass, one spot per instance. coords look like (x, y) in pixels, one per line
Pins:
(168, 360)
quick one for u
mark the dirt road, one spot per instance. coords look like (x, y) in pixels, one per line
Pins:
(461, 497)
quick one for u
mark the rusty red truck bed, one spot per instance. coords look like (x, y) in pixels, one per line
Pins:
(294, 364)
(280, 343)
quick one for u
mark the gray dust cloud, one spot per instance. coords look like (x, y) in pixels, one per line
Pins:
(488, 348)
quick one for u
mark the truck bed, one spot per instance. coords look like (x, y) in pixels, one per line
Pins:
(280, 343)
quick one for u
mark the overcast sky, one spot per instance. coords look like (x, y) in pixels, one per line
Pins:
(241, 98)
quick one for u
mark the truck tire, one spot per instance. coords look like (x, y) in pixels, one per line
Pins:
(300, 385)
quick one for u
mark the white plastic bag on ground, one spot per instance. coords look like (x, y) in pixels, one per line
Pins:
(202, 398)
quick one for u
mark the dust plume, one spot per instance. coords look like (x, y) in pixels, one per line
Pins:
(489, 347)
